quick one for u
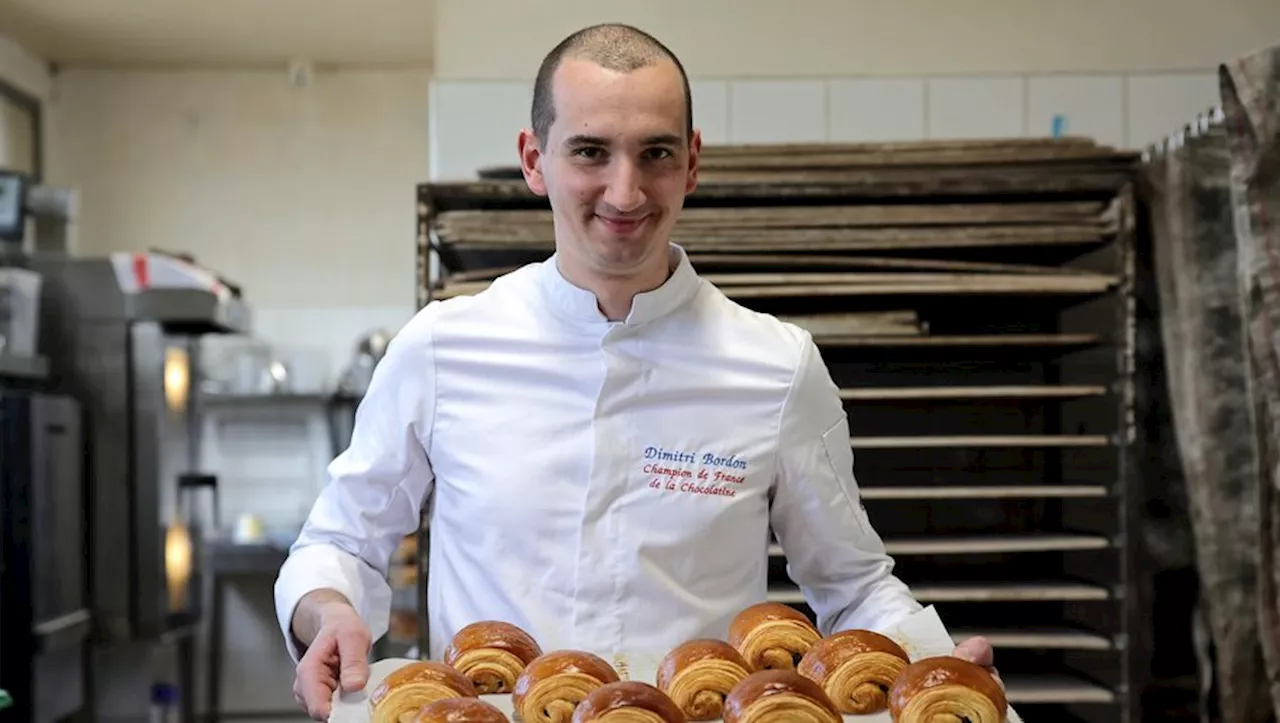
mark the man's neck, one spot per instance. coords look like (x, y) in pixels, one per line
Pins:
(614, 294)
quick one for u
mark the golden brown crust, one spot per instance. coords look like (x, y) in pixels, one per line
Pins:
(610, 701)
(856, 669)
(460, 710)
(492, 654)
(769, 696)
(947, 685)
(772, 635)
(553, 684)
(698, 674)
(408, 688)
(751, 616)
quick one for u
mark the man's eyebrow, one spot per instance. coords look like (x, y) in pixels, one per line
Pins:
(661, 139)
(664, 139)
(584, 140)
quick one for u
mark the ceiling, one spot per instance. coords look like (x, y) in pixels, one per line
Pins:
(223, 32)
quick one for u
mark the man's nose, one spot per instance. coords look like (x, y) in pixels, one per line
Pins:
(624, 191)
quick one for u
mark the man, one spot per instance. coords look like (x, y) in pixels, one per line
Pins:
(604, 440)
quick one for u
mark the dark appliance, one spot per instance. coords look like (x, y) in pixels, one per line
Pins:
(44, 618)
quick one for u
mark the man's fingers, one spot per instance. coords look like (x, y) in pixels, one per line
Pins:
(318, 693)
(995, 675)
(338, 658)
(976, 650)
(317, 678)
(353, 650)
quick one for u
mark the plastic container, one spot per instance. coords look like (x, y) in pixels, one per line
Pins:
(19, 311)
(164, 704)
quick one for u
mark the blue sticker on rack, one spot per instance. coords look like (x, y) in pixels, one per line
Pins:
(1059, 125)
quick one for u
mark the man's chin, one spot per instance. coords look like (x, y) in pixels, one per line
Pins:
(625, 252)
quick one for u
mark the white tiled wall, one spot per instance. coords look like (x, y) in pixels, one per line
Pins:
(875, 109)
(711, 109)
(474, 123)
(777, 111)
(1160, 104)
(981, 107)
(483, 131)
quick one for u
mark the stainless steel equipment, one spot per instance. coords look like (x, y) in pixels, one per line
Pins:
(131, 352)
(129, 348)
(370, 350)
(122, 334)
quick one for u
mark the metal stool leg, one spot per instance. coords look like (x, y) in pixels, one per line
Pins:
(213, 676)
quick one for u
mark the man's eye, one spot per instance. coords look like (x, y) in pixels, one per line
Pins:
(589, 153)
(660, 153)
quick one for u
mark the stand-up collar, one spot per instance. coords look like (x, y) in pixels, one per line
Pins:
(580, 305)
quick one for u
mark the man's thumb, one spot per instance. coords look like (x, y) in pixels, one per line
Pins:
(353, 657)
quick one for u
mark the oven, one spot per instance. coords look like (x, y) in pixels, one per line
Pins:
(124, 333)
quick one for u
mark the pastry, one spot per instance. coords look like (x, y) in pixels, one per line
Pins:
(947, 688)
(698, 674)
(856, 669)
(772, 635)
(492, 654)
(401, 694)
(779, 696)
(460, 710)
(628, 701)
(553, 685)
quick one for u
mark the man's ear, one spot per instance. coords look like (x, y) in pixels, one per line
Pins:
(531, 162)
(695, 150)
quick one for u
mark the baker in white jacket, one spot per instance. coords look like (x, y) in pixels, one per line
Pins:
(603, 440)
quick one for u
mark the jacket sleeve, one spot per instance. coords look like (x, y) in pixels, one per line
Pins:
(375, 491)
(833, 553)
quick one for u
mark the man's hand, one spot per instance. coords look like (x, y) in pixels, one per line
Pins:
(978, 650)
(337, 654)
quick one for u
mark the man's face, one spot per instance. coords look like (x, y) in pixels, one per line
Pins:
(615, 165)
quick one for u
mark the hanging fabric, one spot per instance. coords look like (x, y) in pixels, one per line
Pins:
(1251, 104)
(1188, 187)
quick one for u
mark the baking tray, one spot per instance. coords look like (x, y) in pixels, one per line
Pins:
(922, 635)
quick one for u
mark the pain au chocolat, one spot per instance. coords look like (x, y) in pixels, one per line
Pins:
(772, 636)
(779, 696)
(627, 701)
(856, 669)
(697, 675)
(460, 710)
(947, 688)
(553, 684)
(399, 697)
(491, 654)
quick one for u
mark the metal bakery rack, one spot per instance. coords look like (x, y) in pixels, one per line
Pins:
(974, 303)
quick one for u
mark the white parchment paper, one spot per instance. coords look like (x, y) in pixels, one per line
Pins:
(922, 635)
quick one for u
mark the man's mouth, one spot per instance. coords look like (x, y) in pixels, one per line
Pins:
(623, 225)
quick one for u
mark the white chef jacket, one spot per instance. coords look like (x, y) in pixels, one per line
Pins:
(606, 486)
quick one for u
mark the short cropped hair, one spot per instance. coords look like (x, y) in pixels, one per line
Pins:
(615, 46)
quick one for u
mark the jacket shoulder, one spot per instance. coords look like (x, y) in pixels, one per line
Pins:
(771, 337)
